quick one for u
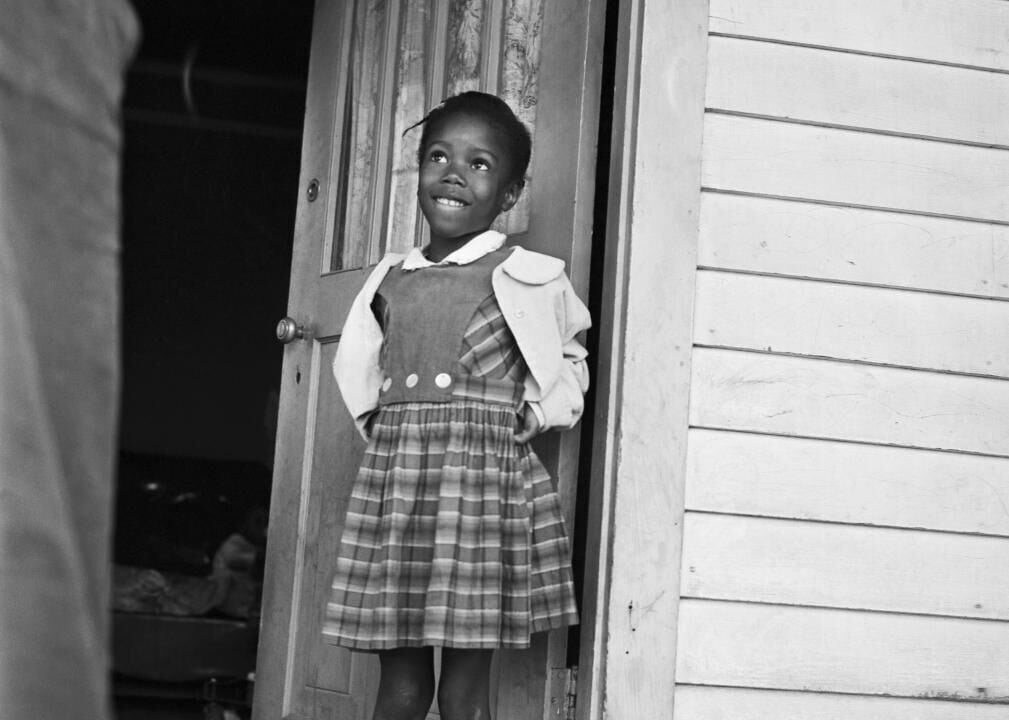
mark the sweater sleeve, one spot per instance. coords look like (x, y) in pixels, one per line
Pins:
(356, 366)
(562, 405)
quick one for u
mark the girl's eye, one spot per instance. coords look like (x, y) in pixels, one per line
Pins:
(481, 164)
(438, 156)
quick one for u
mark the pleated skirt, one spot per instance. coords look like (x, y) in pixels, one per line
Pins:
(454, 535)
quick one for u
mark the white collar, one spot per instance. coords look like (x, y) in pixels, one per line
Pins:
(483, 244)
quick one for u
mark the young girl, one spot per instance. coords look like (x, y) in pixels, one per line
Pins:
(452, 358)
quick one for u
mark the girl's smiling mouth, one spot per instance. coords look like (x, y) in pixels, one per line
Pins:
(450, 202)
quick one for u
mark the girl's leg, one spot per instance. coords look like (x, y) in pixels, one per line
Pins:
(406, 688)
(464, 688)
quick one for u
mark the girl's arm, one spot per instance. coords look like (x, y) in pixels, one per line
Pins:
(562, 405)
(357, 367)
(528, 285)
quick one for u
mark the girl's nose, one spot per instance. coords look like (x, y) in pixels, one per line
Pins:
(453, 175)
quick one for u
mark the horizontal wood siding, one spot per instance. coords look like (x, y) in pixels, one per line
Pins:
(846, 535)
(768, 393)
(782, 159)
(831, 565)
(814, 85)
(856, 245)
(851, 322)
(743, 473)
(707, 703)
(962, 32)
(738, 644)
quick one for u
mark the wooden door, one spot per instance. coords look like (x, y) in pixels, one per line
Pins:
(376, 66)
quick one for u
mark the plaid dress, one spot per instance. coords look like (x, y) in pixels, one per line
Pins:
(454, 534)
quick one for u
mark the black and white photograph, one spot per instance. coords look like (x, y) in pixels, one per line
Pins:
(504, 360)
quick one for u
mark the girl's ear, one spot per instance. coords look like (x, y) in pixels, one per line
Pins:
(512, 194)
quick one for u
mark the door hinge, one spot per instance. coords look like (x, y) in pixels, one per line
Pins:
(572, 693)
(564, 691)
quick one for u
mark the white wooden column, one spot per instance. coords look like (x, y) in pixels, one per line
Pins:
(630, 615)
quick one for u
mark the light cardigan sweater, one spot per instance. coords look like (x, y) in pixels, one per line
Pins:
(539, 305)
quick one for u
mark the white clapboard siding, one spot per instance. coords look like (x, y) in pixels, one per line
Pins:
(853, 245)
(748, 474)
(898, 327)
(794, 562)
(825, 86)
(708, 703)
(966, 32)
(845, 166)
(871, 653)
(821, 398)
(846, 535)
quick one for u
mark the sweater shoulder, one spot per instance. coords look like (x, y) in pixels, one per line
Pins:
(532, 268)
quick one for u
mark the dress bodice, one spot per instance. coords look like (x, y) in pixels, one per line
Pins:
(445, 336)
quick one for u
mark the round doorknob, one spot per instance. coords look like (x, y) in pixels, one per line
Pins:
(289, 331)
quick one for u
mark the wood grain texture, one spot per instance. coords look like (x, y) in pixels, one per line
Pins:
(823, 86)
(796, 562)
(707, 703)
(796, 648)
(898, 327)
(819, 398)
(844, 166)
(854, 245)
(846, 482)
(967, 32)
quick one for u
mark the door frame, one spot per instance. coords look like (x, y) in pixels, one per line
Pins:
(532, 684)
(627, 667)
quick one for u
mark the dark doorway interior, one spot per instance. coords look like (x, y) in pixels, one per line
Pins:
(212, 124)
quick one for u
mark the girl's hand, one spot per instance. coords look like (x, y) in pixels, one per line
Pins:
(369, 424)
(530, 426)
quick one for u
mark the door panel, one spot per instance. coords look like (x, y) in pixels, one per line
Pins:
(292, 659)
(376, 67)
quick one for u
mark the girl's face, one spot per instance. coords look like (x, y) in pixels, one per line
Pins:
(464, 179)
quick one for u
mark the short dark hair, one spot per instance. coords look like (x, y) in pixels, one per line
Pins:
(496, 113)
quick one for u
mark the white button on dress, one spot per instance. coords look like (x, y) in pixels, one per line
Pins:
(411, 380)
(443, 380)
(387, 384)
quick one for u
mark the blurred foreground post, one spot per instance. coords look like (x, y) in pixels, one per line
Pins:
(61, 78)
